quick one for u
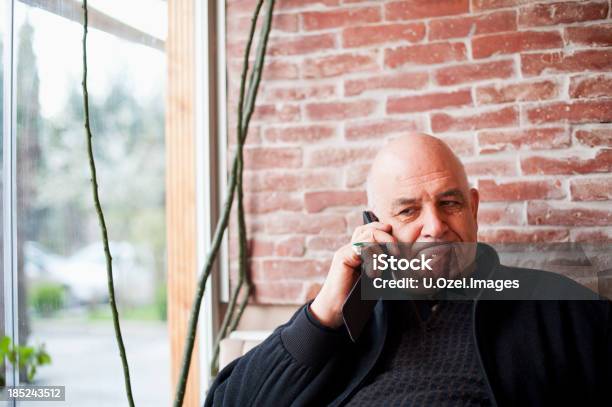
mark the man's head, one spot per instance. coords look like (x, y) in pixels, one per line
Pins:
(419, 187)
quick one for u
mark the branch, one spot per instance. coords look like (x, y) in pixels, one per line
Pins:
(243, 126)
(235, 176)
(94, 184)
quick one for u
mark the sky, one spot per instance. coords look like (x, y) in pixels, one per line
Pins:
(58, 48)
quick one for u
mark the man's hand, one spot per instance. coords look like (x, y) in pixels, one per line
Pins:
(327, 306)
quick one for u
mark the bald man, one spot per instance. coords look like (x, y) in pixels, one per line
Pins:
(430, 352)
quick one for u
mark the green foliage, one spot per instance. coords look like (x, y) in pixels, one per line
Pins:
(47, 298)
(27, 358)
(161, 302)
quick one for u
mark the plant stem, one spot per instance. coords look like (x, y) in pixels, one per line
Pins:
(104, 232)
(244, 121)
(240, 137)
(232, 182)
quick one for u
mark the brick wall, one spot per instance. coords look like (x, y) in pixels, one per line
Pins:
(521, 90)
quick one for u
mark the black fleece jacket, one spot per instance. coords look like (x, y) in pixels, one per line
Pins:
(532, 352)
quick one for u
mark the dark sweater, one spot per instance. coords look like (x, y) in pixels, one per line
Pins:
(432, 365)
(532, 353)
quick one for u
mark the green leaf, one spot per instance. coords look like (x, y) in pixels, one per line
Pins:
(43, 358)
(31, 373)
(5, 344)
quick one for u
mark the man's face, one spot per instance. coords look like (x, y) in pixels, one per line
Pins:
(433, 207)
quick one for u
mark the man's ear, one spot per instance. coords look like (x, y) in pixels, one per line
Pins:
(474, 201)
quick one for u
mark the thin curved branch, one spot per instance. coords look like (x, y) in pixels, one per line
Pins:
(254, 82)
(219, 230)
(100, 213)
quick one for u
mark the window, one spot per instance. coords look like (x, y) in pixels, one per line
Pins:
(60, 266)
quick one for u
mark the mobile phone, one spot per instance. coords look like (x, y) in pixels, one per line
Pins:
(357, 312)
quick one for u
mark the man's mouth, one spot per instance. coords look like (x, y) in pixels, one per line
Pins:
(441, 254)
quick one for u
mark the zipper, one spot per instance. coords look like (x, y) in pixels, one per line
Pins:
(480, 363)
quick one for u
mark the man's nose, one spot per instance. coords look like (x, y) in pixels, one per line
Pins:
(434, 225)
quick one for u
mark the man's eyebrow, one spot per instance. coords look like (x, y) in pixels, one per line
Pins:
(403, 202)
(456, 192)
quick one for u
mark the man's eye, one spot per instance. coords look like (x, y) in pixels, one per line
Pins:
(408, 211)
(450, 204)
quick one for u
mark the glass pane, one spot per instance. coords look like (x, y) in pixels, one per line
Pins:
(2, 25)
(64, 307)
(3, 6)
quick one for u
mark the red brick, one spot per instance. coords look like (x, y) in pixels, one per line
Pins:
(276, 113)
(430, 101)
(425, 54)
(239, 26)
(273, 70)
(258, 248)
(561, 13)
(590, 86)
(491, 190)
(340, 156)
(500, 214)
(291, 4)
(340, 64)
(257, 181)
(278, 70)
(529, 139)
(320, 223)
(248, 6)
(356, 174)
(254, 225)
(479, 5)
(354, 219)
(285, 180)
(441, 122)
(593, 35)
(394, 81)
(591, 235)
(241, 7)
(306, 44)
(560, 62)
(321, 20)
(327, 243)
(266, 202)
(236, 48)
(579, 111)
(340, 110)
(415, 9)
(461, 144)
(472, 72)
(320, 200)
(567, 214)
(488, 167)
(602, 162)
(300, 134)
(292, 246)
(384, 33)
(591, 189)
(522, 235)
(458, 27)
(377, 129)
(258, 158)
(253, 136)
(517, 92)
(509, 43)
(594, 137)
(297, 93)
(279, 292)
(319, 179)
